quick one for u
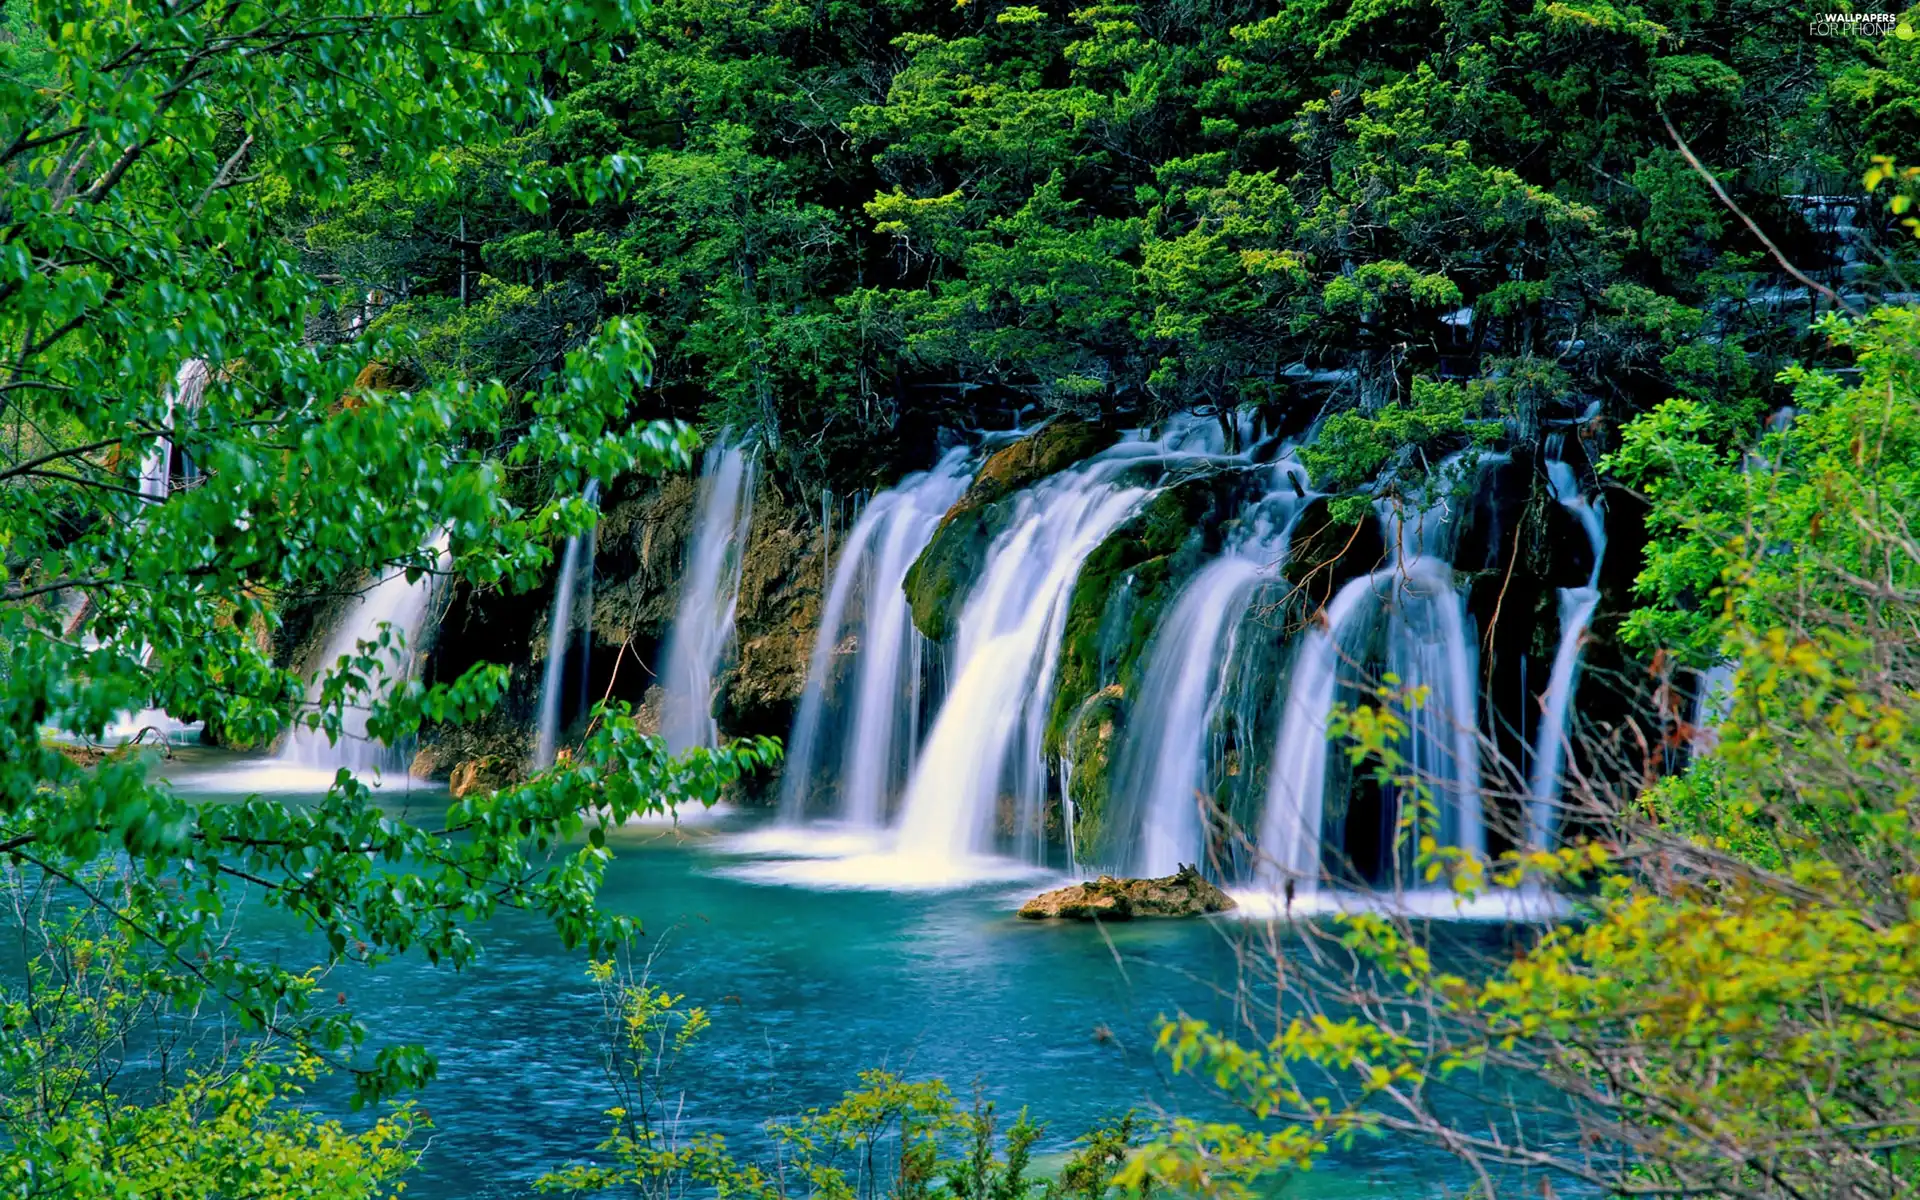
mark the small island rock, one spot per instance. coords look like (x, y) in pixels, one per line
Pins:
(1183, 894)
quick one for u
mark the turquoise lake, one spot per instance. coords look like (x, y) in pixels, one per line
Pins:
(806, 986)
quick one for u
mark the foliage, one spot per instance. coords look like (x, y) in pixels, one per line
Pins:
(1741, 535)
(194, 441)
(857, 223)
(1352, 446)
(890, 1137)
(80, 1120)
(1734, 1011)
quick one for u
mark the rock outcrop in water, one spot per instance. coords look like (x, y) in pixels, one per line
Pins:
(481, 775)
(1183, 894)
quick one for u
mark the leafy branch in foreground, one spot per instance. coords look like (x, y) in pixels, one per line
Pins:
(193, 438)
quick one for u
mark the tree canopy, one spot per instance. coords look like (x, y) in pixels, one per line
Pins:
(852, 222)
(192, 446)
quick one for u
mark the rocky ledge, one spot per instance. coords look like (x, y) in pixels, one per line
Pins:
(1184, 894)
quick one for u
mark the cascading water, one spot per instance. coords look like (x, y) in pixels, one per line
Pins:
(395, 604)
(702, 629)
(1162, 772)
(183, 399)
(1428, 646)
(866, 605)
(1429, 651)
(572, 571)
(188, 390)
(1576, 611)
(1296, 775)
(986, 741)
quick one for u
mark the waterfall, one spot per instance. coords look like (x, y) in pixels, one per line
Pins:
(1296, 775)
(1162, 773)
(986, 741)
(1163, 754)
(1428, 650)
(1008, 648)
(867, 639)
(1428, 646)
(1576, 611)
(1712, 704)
(401, 609)
(156, 467)
(184, 397)
(572, 569)
(702, 629)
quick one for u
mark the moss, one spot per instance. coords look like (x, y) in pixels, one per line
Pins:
(1125, 584)
(1091, 741)
(939, 578)
(1048, 451)
(937, 582)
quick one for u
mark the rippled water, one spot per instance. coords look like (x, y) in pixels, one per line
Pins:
(807, 986)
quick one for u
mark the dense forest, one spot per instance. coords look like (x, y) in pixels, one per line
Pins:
(571, 557)
(850, 226)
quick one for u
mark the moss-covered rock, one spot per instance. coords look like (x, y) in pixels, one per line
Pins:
(938, 580)
(1127, 582)
(1091, 740)
(1184, 894)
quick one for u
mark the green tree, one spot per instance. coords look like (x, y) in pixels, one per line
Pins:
(857, 221)
(158, 160)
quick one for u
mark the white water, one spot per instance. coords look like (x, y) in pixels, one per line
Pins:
(858, 723)
(184, 397)
(188, 390)
(1428, 646)
(1429, 650)
(1164, 756)
(986, 743)
(1576, 612)
(1499, 905)
(402, 609)
(702, 631)
(1162, 773)
(1712, 704)
(986, 738)
(559, 630)
(1296, 776)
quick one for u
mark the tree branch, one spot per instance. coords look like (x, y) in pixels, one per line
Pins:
(1700, 169)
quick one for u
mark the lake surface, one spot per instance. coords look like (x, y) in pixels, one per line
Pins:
(806, 986)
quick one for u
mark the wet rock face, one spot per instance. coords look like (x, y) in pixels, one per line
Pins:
(640, 552)
(782, 581)
(478, 776)
(937, 582)
(1185, 894)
